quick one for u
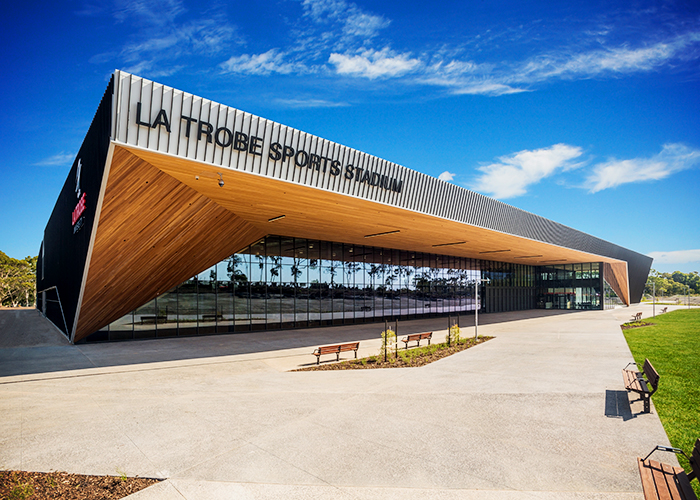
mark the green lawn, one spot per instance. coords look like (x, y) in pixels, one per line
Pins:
(672, 344)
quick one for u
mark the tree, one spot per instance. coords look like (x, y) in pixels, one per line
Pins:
(17, 281)
(673, 283)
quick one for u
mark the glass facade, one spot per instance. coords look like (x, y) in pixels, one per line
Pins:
(283, 282)
(570, 286)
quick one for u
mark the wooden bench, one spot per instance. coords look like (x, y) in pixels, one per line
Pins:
(663, 481)
(212, 317)
(417, 337)
(336, 349)
(635, 382)
(152, 320)
(664, 309)
(636, 317)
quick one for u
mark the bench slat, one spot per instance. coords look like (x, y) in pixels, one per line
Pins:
(647, 480)
(671, 473)
(662, 481)
(651, 373)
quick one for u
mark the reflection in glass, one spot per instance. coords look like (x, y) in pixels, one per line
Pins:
(284, 282)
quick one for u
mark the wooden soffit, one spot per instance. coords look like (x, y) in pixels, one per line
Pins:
(154, 232)
(164, 219)
(320, 214)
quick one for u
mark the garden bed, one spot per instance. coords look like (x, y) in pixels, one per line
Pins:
(20, 485)
(416, 356)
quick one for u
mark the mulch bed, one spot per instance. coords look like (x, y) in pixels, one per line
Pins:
(629, 326)
(415, 357)
(20, 485)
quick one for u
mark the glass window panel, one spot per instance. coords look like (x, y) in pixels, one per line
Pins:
(187, 307)
(167, 314)
(145, 320)
(122, 328)
(207, 310)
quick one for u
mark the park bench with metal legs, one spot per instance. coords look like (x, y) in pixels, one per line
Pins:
(336, 349)
(662, 481)
(635, 382)
(417, 337)
(636, 317)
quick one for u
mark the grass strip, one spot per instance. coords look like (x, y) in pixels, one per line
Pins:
(672, 344)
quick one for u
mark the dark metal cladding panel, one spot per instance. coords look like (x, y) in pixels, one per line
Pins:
(65, 246)
(492, 214)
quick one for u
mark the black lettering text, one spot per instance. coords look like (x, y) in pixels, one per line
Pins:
(162, 119)
(301, 158)
(335, 167)
(358, 174)
(138, 116)
(287, 152)
(396, 185)
(228, 137)
(201, 130)
(256, 144)
(275, 153)
(314, 161)
(189, 122)
(240, 142)
(348, 172)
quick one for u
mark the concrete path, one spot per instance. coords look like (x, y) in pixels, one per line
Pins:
(537, 412)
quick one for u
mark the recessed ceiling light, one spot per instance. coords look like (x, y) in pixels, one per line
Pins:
(382, 234)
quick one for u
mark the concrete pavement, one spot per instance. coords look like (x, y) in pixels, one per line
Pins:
(537, 412)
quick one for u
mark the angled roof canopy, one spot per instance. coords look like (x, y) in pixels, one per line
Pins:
(186, 182)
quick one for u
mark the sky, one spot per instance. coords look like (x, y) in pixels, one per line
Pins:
(583, 112)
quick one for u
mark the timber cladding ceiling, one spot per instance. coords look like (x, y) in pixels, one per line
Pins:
(164, 219)
(319, 214)
(153, 233)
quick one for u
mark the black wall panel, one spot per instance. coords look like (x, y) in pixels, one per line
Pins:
(65, 245)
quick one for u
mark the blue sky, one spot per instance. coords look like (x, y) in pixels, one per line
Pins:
(586, 113)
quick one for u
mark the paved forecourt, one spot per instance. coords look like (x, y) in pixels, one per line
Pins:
(538, 412)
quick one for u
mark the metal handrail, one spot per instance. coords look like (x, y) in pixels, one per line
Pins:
(60, 305)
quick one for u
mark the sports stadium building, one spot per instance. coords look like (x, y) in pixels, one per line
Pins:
(181, 216)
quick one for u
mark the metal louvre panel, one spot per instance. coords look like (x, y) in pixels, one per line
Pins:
(419, 192)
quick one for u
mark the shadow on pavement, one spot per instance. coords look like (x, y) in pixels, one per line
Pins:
(30, 344)
(617, 405)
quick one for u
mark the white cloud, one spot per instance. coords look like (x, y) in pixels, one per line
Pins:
(309, 103)
(151, 12)
(271, 61)
(354, 22)
(514, 173)
(486, 88)
(164, 38)
(364, 25)
(57, 160)
(374, 64)
(672, 158)
(446, 176)
(614, 60)
(675, 257)
(467, 77)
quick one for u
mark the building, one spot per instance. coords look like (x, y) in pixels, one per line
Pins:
(181, 216)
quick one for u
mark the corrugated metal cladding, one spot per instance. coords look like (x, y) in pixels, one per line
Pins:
(418, 192)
